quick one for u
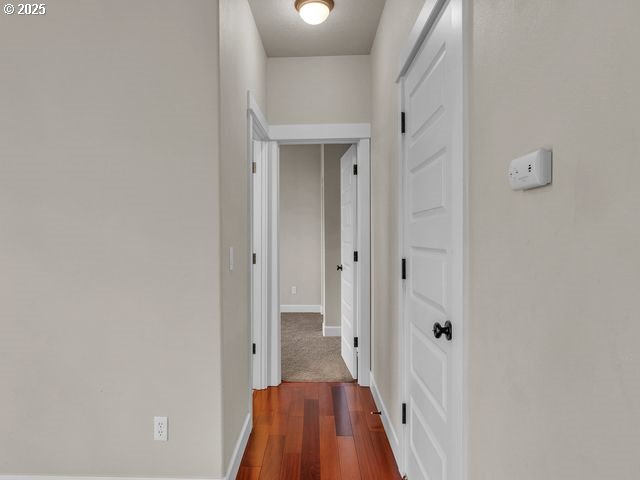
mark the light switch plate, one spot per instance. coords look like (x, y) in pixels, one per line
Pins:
(530, 171)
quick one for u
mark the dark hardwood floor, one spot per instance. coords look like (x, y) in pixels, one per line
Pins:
(323, 431)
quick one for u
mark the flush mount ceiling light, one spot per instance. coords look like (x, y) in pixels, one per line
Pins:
(314, 12)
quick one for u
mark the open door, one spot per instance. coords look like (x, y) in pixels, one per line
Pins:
(348, 219)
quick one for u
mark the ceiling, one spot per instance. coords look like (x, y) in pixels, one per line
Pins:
(349, 30)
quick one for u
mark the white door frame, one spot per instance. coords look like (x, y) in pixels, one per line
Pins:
(422, 28)
(263, 222)
(360, 135)
(265, 331)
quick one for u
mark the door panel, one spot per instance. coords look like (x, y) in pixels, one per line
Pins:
(427, 188)
(348, 196)
(428, 281)
(431, 243)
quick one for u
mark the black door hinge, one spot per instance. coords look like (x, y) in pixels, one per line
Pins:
(355, 256)
(255, 258)
(254, 348)
(355, 342)
(404, 269)
(355, 169)
(254, 167)
(403, 123)
(404, 414)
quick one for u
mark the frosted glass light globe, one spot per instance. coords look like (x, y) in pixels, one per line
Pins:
(314, 13)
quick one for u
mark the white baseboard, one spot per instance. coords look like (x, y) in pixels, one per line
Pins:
(386, 422)
(232, 470)
(331, 331)
(241, 445)
(300, 308)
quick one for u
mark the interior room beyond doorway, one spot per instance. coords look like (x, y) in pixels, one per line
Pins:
(310, 249)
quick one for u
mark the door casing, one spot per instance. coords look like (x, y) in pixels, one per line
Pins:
(265, 314)
(262, 219)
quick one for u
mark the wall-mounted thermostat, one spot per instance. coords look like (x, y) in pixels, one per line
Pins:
(530, 171)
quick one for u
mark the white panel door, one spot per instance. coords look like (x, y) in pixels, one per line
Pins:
(348, 196)
(432, 244)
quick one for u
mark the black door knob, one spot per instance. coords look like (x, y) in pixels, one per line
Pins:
(339, 268)
(439, 330)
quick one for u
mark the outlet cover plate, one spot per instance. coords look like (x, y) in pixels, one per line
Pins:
(160, 427)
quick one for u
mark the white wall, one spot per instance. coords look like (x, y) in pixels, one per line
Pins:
(397, 19)
(242, 67)
(319, 89)
(109, 239)
(300, 220)
(332, 227)
(555, 389)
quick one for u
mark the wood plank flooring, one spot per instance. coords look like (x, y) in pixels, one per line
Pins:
(323, 431)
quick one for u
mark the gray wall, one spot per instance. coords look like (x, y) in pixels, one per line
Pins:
(109, 239)
(300, 224)
(243, 66)
(332, 247)
(319, 89)
(555, 388)
(397, 19)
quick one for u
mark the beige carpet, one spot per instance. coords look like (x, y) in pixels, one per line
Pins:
(307, 356)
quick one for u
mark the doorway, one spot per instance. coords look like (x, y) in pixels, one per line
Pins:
(266, 251)
(310, 264)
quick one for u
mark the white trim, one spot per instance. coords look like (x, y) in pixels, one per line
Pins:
(238, 451)
(264, 228)
(363, 266)
(258, 272)
(320, 133)
(401, 452)
(328, 331)
(392, 435)
(301, 308)
(424, 23)
(254, 310)
(322, 236)
(259, 119)
(262, 220)
(275, 374)
(261, 268)
(358, 134)
(466, 27)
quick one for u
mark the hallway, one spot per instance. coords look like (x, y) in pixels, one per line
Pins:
(317, 431)
(230, 230)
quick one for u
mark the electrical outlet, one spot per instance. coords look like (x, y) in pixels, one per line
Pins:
(160, 427)
(294, 290)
